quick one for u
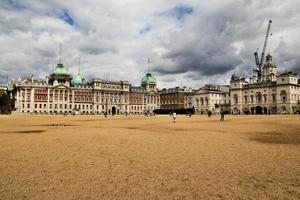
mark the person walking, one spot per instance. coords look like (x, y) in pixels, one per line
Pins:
(222, 115)
(209, 113)
(174, 117)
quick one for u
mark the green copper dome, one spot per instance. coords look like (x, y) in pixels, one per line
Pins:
(78, 79)
(148, 79)
(60, 69)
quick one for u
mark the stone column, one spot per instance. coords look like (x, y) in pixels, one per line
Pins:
(63, 101)
(32, 100)
(48, 100)
(73, 99)
(94, 102)
(17, 104)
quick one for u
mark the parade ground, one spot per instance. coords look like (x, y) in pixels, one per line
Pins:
(139, 157)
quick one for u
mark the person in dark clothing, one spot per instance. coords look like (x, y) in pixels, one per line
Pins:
(209, 113)
(222, 113)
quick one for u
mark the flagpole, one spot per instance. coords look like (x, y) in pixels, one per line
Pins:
(148, 63)
(60, 53)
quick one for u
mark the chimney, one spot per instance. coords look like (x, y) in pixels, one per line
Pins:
(47, 80)
(31, 79)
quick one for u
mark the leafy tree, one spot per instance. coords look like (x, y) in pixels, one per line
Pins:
(5, 104)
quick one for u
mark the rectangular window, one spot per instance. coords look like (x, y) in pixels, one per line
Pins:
(273, 98)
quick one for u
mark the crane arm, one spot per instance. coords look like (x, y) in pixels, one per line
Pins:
(265, 44)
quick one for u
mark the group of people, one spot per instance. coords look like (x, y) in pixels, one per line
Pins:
(222, 114)
(174, 115)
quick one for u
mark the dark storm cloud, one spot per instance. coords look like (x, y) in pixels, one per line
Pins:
(208, 50)
(288, 57)
(205, 62)
(3, 78)
(220, 40)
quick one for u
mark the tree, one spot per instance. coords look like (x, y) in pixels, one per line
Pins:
(5, 104)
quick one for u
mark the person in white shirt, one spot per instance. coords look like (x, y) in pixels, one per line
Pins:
(174, 117)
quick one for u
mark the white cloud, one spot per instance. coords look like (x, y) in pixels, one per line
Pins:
(196, 42)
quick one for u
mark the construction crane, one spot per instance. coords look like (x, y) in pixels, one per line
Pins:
(258, 63)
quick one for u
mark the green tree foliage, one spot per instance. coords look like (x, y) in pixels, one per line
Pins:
(5, 104)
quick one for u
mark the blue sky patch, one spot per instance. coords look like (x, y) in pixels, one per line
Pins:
(145, 29)
(180, 12)
(66, 17)
(12, 5)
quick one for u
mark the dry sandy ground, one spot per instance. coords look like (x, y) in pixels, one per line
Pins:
(138, 157)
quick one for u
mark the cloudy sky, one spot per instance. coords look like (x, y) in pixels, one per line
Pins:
(189, 42)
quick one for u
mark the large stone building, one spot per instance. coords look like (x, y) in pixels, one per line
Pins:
(273, 94)
(60, 93)
(144, 99)
(176, 98)
(212, 98)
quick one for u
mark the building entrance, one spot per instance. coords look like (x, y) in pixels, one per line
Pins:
(113, 110)
(258, 110)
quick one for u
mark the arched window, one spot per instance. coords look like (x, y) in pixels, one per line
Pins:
(235, 99)
(273, 97)
(265, 98)
(201, 101)
(258, 97)
(283, 96)
(206, 101)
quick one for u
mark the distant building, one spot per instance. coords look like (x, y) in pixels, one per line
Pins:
(277, 94)
(212, 98)
(60, 93)
(176, 98)
(144, 99)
